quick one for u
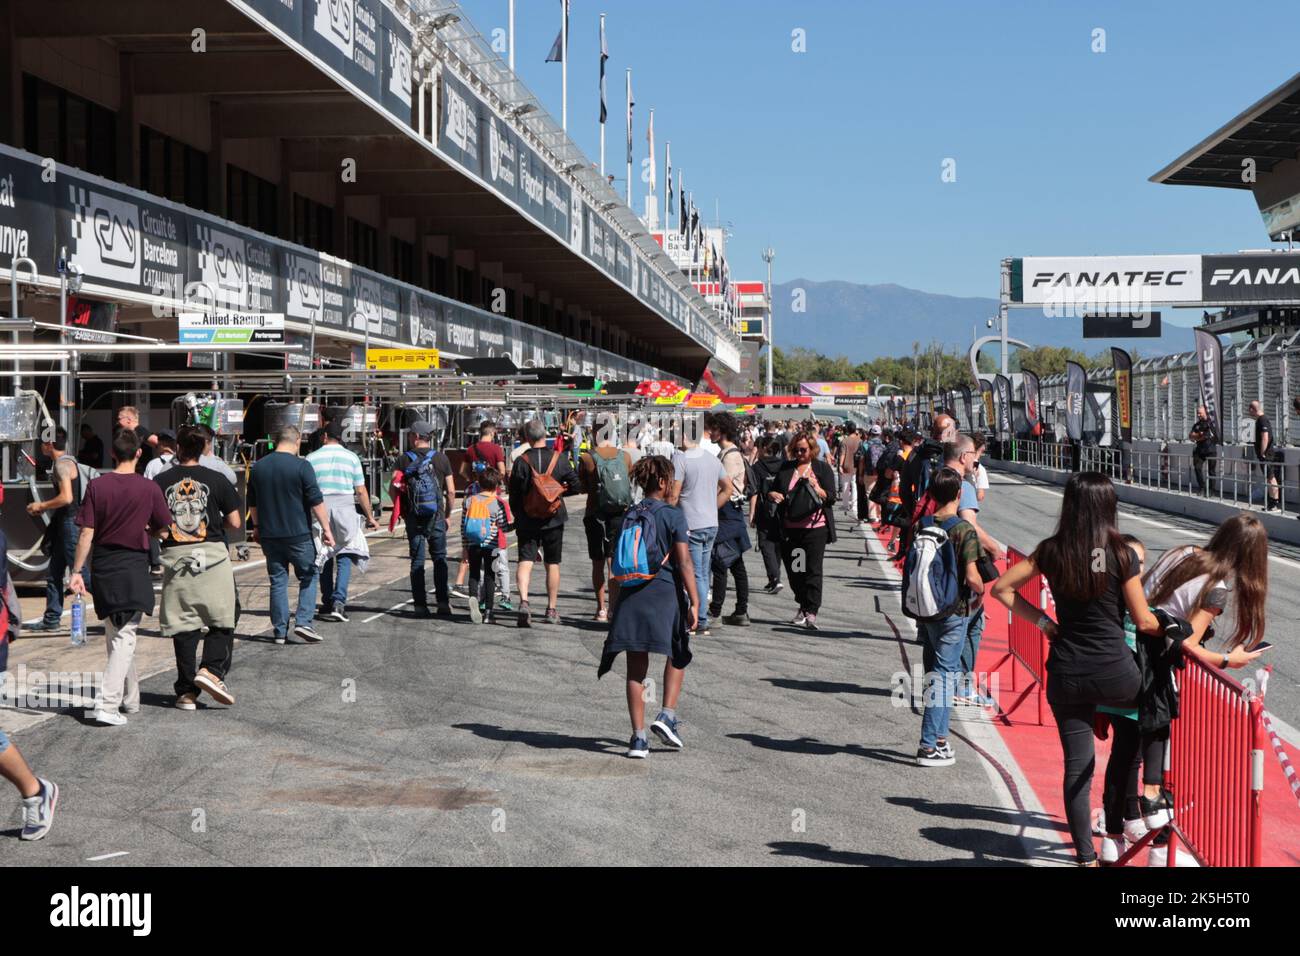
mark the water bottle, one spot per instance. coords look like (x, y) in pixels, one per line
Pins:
(78, 622)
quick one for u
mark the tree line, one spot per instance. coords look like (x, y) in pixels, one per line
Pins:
(930, 368)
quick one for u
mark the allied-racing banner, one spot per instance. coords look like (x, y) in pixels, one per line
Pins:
(1003, 386)
(1123, 364)
(1075, 384)
(1209, 359)
(1030, 380)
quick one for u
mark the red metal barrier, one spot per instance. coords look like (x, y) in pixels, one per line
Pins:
(1026, 644)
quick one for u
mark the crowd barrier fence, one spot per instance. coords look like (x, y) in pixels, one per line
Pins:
(1026, 644)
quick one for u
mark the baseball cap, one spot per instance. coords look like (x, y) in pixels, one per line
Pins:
(421, 429)
(166, 434)
(875, 429)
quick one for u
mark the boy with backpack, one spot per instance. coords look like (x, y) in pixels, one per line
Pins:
(423, 482)
(539, 481)
(942, 590)
(606, 475)
(481, 523)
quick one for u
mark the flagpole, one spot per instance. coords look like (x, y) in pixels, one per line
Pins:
(668, 184)
(512, 35)
(654, 174)
(629, 138)
(564, 65)
(602, 96)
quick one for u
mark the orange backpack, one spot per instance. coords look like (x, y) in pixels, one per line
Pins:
(543, 500)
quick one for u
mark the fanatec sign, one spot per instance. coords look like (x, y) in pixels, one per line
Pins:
(1111, 284)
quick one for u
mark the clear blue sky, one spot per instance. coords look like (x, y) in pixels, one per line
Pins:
(834, 155)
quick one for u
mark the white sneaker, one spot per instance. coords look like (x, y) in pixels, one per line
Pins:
(108, 718)
(1135, 830)
(800, 619)
(1112, 848)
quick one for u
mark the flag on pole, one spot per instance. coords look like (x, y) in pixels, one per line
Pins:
(631, 102)
(681, 196)
(604, 55)
(668, 176)
(650, 136)
(558, 54)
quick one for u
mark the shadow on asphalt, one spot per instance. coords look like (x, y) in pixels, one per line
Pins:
(825, 632)
(543, 739)
(816, 748)
(827, 687)
(966, 811)
(822, 853)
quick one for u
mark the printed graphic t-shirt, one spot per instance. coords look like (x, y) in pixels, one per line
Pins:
(199, 500)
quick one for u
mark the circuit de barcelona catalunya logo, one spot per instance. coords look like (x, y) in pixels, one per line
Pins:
(399, 68)
(222, 265)
(105, 236)
(334, 20)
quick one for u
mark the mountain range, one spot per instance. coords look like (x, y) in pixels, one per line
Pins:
(863, 322)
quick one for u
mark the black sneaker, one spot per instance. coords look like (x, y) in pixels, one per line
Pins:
(934, 758)
(42, 627)
(1158, 812)
(736, 620)
(334, 613)
(444, 610)
(525, 617)
(305, 633)
(422, 610)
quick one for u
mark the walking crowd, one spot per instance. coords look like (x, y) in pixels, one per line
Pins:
(667, 523)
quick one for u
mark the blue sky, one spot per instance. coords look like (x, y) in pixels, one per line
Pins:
(834, 155)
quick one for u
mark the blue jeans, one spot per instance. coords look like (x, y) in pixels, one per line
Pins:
(701, 545)
(431, 531)
(941, 656)
(971, 648)
(333, 592)
(281, 554)
(62, 557)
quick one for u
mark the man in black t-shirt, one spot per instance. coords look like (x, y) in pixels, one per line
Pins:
(1268, 457)
(198, 591)
(1203, 434)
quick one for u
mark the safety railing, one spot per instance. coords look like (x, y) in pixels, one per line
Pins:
(1026, 646)
(1237, 481)
(1215, 771)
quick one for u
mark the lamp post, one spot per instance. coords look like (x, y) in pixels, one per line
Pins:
(768, 255)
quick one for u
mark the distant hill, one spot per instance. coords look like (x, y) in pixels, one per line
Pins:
(869, 321)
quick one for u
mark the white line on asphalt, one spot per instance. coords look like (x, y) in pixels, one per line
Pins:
(374, 617)
(106, 856)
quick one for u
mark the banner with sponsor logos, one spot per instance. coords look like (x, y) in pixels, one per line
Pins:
(835, 388)
(986, 394)
(1076, 382)
(966, 405)
(1030, 380)
(1209, 359)
(1107, 283)
(1002, 386)
(1265, 278)
(1123, 364)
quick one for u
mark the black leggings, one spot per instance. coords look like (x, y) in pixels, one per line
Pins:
(1074, 703)
(1128, 749)
(769, 543)
(802, 550)
(740, 574)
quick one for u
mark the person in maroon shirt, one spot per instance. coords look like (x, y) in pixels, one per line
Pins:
(485, 450)
(119, 511)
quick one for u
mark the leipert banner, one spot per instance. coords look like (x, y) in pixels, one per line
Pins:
(1123, 363)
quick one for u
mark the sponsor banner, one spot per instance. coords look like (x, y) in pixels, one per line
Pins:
(238, 270)
(532, 182)
(336, 292)
(1080, 284)
(835, 388)
(92, 322)
(493, 337)
(501, 156)
(422, 321)
(222, 327)
(703, 400)
(406, 360)
(986, 393)
(1123, 364)
(1209, 359)
(1137, 325)
(1030, 380)
(559, 207)
(850, 400)
(304, 286)
(458, 124)
(460, 328)
(26, 222)
(122, 242)
(1075, 385)
(750, 328)
(396, 78)
(347, 36)
(301, 359)
(966, 405)
(285, 15)
(1264, 278)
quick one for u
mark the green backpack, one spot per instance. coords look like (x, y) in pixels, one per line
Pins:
(613, 484)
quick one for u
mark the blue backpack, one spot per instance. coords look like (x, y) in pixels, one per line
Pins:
(421, 485)
(931, 583)
(638, 553)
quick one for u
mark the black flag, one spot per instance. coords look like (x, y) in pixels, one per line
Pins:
(1123, 364)
(1209, 358)
(1031, 398)
(604, 55)
(1075, 384)
(966, 404)
(1003, 405)
(558, 54)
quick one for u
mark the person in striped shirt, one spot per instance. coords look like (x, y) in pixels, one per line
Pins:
(343, 485)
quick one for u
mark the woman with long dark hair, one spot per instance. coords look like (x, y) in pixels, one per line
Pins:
(1095, 577)
(805, 492)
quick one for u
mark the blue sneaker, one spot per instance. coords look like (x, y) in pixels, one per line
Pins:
(666, 730)
(638, 747)
(38, 811)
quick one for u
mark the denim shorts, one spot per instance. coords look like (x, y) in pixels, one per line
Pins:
(4, 742)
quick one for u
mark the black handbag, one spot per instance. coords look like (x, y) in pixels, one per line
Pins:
(987, 567)
(802, 502)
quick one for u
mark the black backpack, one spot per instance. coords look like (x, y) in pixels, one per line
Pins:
(751, 478)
